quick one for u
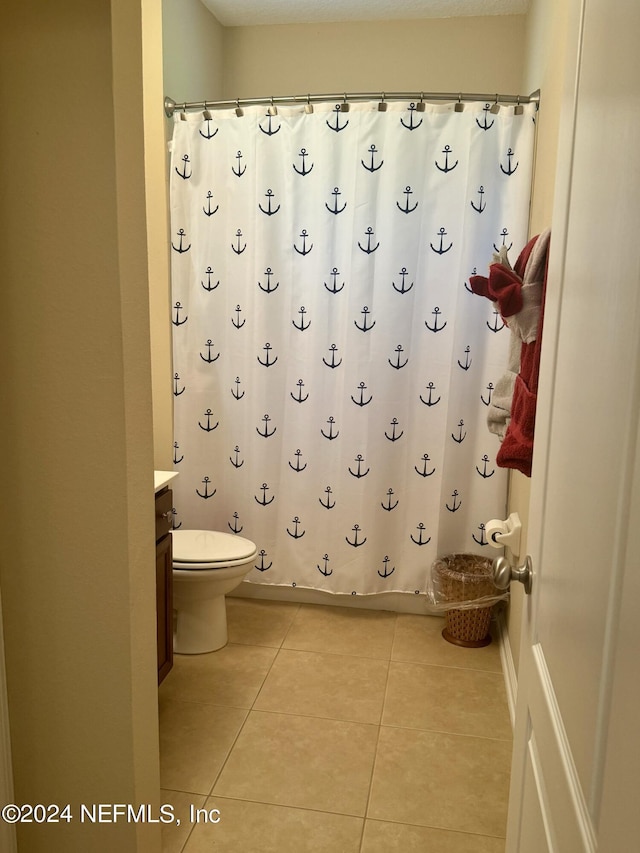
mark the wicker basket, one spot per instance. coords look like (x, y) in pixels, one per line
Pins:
(466, 578)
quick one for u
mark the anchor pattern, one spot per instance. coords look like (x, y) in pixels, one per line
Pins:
(322, 372)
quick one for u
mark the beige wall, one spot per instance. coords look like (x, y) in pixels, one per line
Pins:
(547, 35)
(184, 52)
(77, 563)
(157, 211)
(544, 60)
(203, 60)
(193, 51)
(447, 54)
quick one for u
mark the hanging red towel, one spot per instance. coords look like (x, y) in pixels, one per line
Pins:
(523, 288)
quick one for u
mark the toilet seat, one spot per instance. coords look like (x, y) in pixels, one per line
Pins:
(202, 550)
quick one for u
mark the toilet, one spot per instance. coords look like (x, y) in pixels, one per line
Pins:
(206, 565)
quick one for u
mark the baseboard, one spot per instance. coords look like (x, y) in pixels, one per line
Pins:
(508, 666)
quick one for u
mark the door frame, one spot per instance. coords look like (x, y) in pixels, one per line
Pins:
(8, 840)
(546, 386)
(563, 786)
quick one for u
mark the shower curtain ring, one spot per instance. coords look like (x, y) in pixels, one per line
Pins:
(239, 110)
(421, 106)
(345, 106)
(273, 110)
(308, 107)
(519, 109)
(495, 109)
(459, 107)
(382, 106)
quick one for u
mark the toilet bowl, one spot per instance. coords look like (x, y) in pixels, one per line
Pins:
(206, 565)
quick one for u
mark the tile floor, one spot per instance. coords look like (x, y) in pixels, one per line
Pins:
(322, 729)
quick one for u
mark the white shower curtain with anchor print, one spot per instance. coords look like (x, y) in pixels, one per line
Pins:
(332, 369)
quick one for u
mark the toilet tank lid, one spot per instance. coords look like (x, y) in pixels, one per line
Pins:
(209, 546)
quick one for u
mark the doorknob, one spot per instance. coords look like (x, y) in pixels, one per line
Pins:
(504, 573)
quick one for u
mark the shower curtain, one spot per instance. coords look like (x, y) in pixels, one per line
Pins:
(332, 369)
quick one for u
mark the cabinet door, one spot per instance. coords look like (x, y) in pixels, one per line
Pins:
(164, 593)
(164, 503)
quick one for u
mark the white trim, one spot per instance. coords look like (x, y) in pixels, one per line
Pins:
(561, 770)
(508, 667)
(541, 793)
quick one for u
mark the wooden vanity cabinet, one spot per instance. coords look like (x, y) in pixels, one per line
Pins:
(164, 581)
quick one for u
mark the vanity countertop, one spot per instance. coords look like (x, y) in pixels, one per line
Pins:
(163, 478)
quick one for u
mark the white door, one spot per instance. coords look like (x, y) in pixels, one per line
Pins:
(576, 769)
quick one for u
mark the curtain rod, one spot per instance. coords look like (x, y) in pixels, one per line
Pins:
(170, 106)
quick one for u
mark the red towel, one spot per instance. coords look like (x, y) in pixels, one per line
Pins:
(516, 450)
(504, 284)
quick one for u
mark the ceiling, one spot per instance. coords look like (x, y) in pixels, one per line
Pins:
(242, 13)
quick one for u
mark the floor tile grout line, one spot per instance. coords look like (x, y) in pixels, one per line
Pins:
(259, 691)
(447, 829)
(189, 834)
(337, 654)
(229, 751)
(448, 666)
(253, 709)
(258, 802)
(393, 639)
(249, 710)
(193, 825)
(389, 658)
(287, 632)
(375, 754)
(295, 610)
(348, 610)
(171, 790)
(364, 818)
(444, 732)
(240, 730)
(333, 654)
(495, 676)
(379, 723)
(309, 717)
